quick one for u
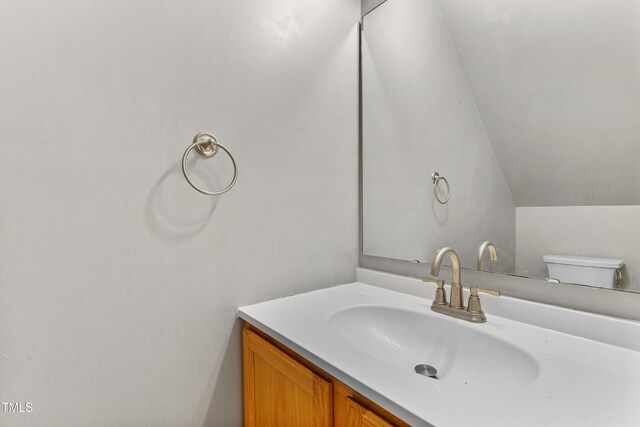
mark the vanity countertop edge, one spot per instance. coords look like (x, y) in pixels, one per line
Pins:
(284, 320)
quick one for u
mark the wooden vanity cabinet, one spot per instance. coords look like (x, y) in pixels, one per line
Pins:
(282, 389)
(279, 391)
(349, 412)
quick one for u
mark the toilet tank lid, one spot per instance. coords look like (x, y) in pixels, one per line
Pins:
(584, 261)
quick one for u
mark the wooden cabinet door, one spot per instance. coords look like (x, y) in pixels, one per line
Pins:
(281, 392)
(353, 410)
(352, 414)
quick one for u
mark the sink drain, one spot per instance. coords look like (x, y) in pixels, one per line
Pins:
(426, 370)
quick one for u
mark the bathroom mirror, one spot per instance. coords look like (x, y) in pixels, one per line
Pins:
(529, 113)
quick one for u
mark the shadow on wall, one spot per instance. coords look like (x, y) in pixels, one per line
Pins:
(174, 210)
(225, 404)
(440, 211)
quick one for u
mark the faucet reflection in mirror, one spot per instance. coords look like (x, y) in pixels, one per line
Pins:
(492, 253)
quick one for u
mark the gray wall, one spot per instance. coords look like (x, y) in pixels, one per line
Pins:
(118, 282)
(419, 116)
(593, 231)
(557, 86)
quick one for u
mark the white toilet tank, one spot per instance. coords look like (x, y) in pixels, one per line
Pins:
(600, 272)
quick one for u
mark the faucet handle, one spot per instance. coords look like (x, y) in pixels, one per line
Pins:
(474, 300)
(438, 282)
(441, 293)
(475, 290)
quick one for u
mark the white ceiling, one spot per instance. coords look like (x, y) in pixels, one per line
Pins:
(557, 85)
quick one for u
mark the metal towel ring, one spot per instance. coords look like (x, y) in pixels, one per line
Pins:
(207, 145)
(436, 178)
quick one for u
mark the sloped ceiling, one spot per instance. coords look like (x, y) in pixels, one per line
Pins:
(557, 87)
(367, 6)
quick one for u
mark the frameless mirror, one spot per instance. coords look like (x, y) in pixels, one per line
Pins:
(529, 113)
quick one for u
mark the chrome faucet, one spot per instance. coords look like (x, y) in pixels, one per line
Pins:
(492, 253)
(455, 308)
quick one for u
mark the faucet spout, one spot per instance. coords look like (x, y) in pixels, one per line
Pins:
(455, 261)
(492, 253)
(456, 286)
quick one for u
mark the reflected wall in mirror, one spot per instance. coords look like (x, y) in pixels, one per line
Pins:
(531, 112)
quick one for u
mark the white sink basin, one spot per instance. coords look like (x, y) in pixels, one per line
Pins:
(371, 339)
(462, 353)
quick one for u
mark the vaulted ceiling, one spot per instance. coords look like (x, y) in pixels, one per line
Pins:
(557, 85)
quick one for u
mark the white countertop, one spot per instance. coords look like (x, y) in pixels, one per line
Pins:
(581, 382)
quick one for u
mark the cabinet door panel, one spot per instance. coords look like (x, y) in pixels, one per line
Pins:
(281, 392)
(359, 416)
(353, 410)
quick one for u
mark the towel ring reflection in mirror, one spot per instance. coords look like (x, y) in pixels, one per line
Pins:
(207, 145)
(441, 196)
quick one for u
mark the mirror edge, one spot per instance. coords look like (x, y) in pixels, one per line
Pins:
(593, 300)
(584, 298)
